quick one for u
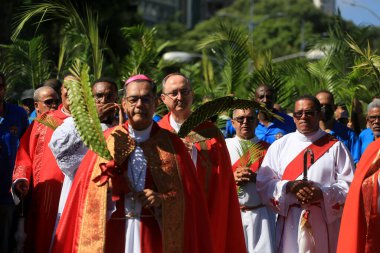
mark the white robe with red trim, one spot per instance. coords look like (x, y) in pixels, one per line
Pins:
(333, 173)
(258, 224)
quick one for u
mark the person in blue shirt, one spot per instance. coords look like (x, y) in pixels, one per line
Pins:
(329, 124)
(268, 128)
(13, 123)
(371, 133)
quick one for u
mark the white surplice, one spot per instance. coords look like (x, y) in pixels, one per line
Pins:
(333, 173)
(258, 224)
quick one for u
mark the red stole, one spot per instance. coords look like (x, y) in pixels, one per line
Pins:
(360, 226)
(256, 165)
(319, 148)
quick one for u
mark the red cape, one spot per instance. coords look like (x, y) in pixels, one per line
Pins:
(215, 176)
(354, 237)
(195, 233)
(35, 162)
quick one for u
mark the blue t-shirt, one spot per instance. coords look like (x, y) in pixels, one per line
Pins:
(12, 127)
(349, 138)
(365, 138)
(32, 116)
(276, 129)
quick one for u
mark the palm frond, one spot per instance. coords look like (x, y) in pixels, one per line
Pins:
(216, 106)
(249, 153)
(48, 120)
(83, 110)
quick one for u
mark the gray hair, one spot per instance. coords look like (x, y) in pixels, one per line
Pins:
(36, 95)
(374, 104)
(235, 111)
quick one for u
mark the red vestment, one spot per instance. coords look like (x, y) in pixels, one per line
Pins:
(36, 163)
(360, 226)
(185, 224)
(215, 176)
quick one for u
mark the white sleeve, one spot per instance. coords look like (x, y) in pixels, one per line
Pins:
(334, 196)
(67, 147)
(271, 188)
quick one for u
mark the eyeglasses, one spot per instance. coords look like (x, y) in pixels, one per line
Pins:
(373, 118)
(299, 114)
(144, 99)
(266, 96)
(250, 119)
(50, 102)
(174, 93)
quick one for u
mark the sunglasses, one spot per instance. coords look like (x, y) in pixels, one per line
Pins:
(250, 119)
(50, 102)
(373, 118)
(307, 114)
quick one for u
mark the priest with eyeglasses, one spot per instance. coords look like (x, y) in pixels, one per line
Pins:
(305, 178)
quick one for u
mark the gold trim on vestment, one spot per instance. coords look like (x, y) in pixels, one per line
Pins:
(163, 165)
(93, 227)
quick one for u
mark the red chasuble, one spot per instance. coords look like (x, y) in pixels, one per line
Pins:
(36, 163)
(360, 226)
(185, 224)
(215, 176)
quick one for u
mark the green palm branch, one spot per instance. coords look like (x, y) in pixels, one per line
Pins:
(65, 10)
(254, 149)
(83, 110)
(48, 120)
(28, 62)
(217, 106)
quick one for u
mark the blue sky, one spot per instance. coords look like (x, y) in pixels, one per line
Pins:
(360, 14)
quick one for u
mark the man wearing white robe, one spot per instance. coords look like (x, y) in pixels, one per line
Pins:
(309, 212)
(258, 220)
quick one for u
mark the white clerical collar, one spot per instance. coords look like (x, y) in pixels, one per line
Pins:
(311, 136)
(140, 135)
(176, 126)
(254, 139)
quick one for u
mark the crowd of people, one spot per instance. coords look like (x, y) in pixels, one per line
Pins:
(303, 182)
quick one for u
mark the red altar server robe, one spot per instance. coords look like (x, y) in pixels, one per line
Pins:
(360, 226)
(36, 163)
(84, 226)
(215, 176)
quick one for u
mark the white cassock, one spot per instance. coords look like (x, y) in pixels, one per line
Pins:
(333, 173)
(258, 224)
(68, 150)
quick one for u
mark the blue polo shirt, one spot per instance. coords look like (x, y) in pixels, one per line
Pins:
(268, 134)
(276, 129)
(12, 125)
(349, 138)
(365, 138)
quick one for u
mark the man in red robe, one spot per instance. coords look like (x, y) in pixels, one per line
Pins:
(147, 199)
(210, 155)
(360, 227)
(38, 176)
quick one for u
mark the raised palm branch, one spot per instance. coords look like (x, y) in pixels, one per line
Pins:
(83, 110)
(48, 120)
(216, 106)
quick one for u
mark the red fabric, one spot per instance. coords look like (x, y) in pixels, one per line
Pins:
(35, 162)
(220, 190)
(256, 165)
(319, 147)
(354, 235)
(196, 224)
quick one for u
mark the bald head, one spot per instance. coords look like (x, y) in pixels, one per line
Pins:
(45, 99)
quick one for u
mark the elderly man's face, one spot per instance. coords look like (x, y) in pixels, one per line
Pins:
(139, 104)
(177, 94)
(305, 116)
(47, 101)
(244, 121)
(373, 120)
